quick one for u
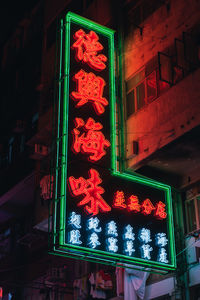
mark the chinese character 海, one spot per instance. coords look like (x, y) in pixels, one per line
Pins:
(161, 239)
(92, 191)
(93, 224)
(88, 46)
(74, 237)
(75, 220)
(90, 88)
(93, 142)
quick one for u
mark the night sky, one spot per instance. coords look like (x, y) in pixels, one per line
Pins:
(10, 13)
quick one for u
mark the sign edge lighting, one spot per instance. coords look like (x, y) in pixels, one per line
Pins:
(59, 246)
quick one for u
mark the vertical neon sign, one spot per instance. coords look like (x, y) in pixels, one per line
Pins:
(100, 213)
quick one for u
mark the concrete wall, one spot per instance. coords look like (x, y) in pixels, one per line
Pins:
(159, 31)
(177, 110)
(168, 117)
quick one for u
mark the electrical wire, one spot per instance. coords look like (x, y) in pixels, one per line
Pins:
(189, 246)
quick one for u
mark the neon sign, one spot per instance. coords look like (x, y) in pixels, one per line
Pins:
(101, 214)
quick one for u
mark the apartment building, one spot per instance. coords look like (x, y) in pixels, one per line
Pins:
(157, 56)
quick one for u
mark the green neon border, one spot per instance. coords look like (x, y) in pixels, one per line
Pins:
(71, 250)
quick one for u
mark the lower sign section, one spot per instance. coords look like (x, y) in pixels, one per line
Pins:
(118, 219)
(113, 238)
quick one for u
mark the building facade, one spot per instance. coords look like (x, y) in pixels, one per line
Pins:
(157, 57)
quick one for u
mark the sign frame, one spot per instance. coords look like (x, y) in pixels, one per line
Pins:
(57, 242)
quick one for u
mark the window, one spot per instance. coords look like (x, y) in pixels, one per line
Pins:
(192, 208)
(161, 72)
(191, 49)
(141, 89)
(165, 67)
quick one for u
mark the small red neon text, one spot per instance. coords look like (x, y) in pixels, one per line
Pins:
(160, 212)
(92, 142)
(90, 88)
(87, 46)
(90, 187)
(145, 208)
(133, 204)
(119, 200)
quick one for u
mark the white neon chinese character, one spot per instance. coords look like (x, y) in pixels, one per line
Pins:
(75, 220)
(112, 228)
(145, 235)
(161, 239)
(112, 244)
(162, 256)
(129, 235)
(146, 249)
(94, 240)
(74, 236)
(93, 223)
(129, 247)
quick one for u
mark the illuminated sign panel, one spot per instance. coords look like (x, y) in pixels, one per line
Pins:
(100, 213)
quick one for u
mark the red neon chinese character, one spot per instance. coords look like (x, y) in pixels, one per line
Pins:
(147, 207)
(134, 203)
(87, 46)
(90, 88)
(119, 200)
(160, 212)
(90, 187)
(91, 142)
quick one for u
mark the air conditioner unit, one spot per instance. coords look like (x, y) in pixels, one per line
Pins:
(132, 149)
(41, 149)
(19, 126)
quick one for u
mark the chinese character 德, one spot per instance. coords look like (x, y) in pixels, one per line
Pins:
(90, 88)
(92, 142)
(88, 46)
(90, 187)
